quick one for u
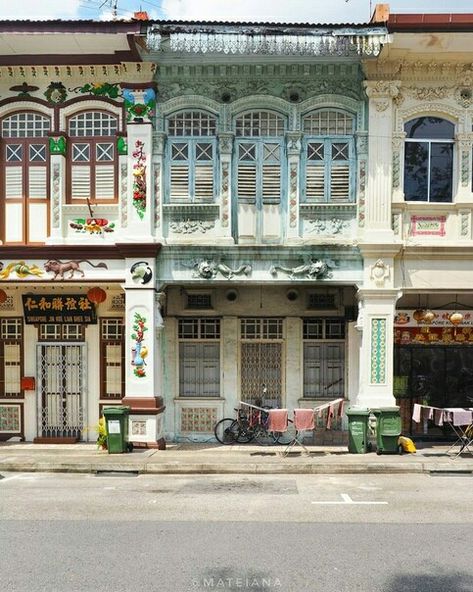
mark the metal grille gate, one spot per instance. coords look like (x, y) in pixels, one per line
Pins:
(261, 364)
(62, 385)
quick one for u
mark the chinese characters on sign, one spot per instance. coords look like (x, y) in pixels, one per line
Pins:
(66, 308)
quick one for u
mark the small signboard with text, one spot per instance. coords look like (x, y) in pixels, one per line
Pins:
(64, 308)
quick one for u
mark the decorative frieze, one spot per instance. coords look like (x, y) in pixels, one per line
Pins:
(330, 226)
(234, 82)
(123, 193)
(10, 418)
(209, 269)
(157, 194)
(362, 193)
(427, 226)
(225, 195)
(465, 224)
(312, 269)
(191, 226)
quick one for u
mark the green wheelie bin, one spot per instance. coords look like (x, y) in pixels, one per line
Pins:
(388, 430)
(358, 430)
(116, 420)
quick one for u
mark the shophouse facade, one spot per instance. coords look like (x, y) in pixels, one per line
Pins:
(421, 110)
(193, 214)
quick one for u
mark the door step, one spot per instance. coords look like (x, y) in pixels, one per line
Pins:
(63, 440)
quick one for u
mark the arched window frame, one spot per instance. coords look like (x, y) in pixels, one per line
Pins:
(429, 148)
(93, 158)
(328, 160)
(25, 178)
(260, 158)
(191, 156)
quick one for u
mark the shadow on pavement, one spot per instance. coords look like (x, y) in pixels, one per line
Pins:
(442, 582)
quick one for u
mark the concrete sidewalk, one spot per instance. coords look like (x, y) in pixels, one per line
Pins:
(214, 458)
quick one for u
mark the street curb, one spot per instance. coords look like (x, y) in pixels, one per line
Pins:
(177, 468)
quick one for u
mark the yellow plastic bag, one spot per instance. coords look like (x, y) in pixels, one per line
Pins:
(407, 444)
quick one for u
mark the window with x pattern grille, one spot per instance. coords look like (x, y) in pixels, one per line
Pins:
(93, 156)
(329, 157)
(191, 154)
(25, 191)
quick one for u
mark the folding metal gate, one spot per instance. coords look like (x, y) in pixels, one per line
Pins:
(61, 381)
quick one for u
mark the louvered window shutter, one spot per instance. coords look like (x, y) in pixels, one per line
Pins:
(247, 173)
(13, 182)
(105, 181)
(271, 173)
(340, 173)
(179, 172)
(315, 172)
(204, 172)
(37, 180)
(80, 182)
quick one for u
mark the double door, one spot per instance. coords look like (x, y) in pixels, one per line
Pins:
(61, 382)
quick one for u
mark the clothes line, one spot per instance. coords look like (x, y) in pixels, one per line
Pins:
(457, 416)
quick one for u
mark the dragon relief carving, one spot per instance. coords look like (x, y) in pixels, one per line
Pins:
(209, 269)
(312, 269)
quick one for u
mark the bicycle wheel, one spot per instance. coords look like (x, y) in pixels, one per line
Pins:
(264, 437)
(288, 436)
(226, 430)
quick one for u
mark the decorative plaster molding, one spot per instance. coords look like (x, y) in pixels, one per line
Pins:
(331, 226)
(56, 197)
(420, 110)
(209, 269)
(382, 89)
(191, 226)
(312, 269)
(293, 182)
(380, 272)
(225, 213)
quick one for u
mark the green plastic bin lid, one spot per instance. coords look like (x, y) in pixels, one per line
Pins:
(116, 410)
(388, 409)
(357, 411)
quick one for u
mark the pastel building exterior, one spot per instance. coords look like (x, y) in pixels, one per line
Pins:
(197, 214)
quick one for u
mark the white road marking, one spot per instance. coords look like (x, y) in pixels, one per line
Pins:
(23, 477)
(348, 501)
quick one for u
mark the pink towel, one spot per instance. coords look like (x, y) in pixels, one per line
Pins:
(304, 419)
(329, 417)
(277, 420)
(340, 409)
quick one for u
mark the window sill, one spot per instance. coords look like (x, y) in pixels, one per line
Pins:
(192, 208)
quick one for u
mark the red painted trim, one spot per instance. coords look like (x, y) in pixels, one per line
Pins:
(430, 22)
(118, 251)
(67, 60)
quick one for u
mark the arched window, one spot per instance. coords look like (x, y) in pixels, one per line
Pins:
(191, 154)
(93, 156)
(26, 180)
(260, 153)
(328, 157)
(428, 159)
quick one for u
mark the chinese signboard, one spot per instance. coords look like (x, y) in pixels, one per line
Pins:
(410, 327)
(66, 308)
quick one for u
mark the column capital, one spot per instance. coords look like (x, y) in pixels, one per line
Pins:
(382, 89)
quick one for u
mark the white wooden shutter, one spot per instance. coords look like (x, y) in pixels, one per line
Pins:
(80, 182)
(105, 181)
(37, 187)
(13, 182)
(340, 173)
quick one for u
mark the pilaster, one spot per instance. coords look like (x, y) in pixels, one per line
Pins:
(140, 206)
(225, 140)
(379, 185)
(294, 144)
(375, 321)
(57, 151)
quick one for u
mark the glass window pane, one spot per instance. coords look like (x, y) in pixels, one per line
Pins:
(431, 128)
(416, 168)
(441, 169)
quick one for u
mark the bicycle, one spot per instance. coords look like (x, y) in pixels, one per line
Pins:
(251, 425)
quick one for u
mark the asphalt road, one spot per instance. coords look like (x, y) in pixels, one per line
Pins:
(330, 533)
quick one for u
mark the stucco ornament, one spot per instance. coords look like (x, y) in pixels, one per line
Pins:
(380, 272)
(208, 270)
(141, 272)
(312, 269)
(191, 226)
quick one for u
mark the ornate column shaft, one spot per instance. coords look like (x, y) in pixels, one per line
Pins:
(294, 144)
(57, 151)
(379, 185)
(225, 140)
(159, 139)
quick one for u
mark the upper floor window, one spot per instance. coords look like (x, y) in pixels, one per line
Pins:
(328, 157)
(428, 160)
(25, 183)
(192, 157)
(259, 150)
(93, 156)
